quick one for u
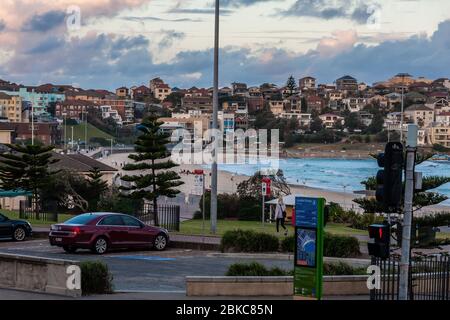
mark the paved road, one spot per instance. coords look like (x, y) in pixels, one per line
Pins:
(153, 271)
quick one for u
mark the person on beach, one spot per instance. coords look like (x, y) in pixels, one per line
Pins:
(280, 215)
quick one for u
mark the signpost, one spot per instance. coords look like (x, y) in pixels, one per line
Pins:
(199, 184)
(308, 262)
(265, 192)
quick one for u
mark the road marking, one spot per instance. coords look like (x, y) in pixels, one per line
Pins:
(148, 258)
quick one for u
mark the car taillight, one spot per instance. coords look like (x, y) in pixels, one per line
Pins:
(75, 230)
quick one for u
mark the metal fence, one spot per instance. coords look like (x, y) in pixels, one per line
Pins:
(429, 278)
(45, 212)
(168, 216)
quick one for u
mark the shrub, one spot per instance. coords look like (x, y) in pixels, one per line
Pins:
(334, 246)
(341, 268)
(95, 278)
(340, 246)
(248, 241)
(255, 269)
(288, 244)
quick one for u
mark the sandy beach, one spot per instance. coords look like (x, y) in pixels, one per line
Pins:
(228, 182)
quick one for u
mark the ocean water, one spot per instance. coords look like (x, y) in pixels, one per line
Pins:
(336, 174)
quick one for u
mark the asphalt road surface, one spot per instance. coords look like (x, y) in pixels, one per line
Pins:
(146, 271)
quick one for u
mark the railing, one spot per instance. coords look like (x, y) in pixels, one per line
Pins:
(28, 211)
(168, 216)
(429, 278)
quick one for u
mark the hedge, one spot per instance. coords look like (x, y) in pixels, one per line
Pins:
(255, 269)
(251, 241)
(248, 241)
(95, 278)
(334, 246)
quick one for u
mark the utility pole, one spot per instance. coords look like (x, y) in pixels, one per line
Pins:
(65, 130)
(85, 131)
(32, 124)
(411, 150)
(215, 122)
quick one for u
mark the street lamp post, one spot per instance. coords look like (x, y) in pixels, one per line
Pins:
(85, 131)
(64, 125)
(32, 124)
(215, 122)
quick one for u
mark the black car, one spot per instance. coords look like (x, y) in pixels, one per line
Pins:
(17, 230)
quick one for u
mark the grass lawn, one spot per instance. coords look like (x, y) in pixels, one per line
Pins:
(194, 227)
(35, 223)
(92, 132)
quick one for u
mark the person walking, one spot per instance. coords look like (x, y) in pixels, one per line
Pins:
(280, 215)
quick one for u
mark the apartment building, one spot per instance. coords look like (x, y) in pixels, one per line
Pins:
(329, 120)
(307, 83)
(276, 107)
(39, 101)
(11, 108)
(347, 84)
(197, 103)
(73, 109)
(440, 135)
(419, 114)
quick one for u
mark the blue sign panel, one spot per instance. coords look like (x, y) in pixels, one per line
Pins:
(306, 248)
(306, 212)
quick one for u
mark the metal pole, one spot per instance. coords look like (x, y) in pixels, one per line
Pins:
(401, 121)
(263, 200)
(32, 124)
(215, 121)
(111, 146)
(71, 140)
(408, 212)
(65, 133)
(85, 131)
(204, 207)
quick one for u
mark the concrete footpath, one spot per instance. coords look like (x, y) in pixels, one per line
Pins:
(7, 294)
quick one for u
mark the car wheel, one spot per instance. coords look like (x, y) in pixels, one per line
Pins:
(160, 242)
(19, 234)
(100, 246)
(70, 249)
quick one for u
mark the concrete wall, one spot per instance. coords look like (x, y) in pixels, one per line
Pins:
(35, 274)
(270, 286)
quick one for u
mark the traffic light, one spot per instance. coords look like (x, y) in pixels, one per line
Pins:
(381, 235)
(390, 179)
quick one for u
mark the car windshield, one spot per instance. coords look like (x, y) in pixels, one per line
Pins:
(81, 219)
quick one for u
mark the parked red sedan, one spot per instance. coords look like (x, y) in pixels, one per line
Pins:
(103, 231)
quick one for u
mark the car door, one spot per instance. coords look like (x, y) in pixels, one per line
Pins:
(115, 229)
(5, 227)
(137, 234)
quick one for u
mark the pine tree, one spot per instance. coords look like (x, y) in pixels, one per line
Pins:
(291, 85)
(422, 198)
(153, 176)
(97, 186)
(26, 168)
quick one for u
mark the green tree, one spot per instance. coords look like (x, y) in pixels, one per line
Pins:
(377, 123)
(316, 125)
(26, 168)
(151, 156)
(97, 187)
(422, 198)
(351, 121)
(291, 85)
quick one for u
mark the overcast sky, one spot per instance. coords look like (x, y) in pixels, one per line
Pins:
(128, 42)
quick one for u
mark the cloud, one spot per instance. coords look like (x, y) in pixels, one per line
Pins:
(149, 18)
(2, 25)
(356, 10)
(44, 22)
(109, 61)
(169, 37)
(243, 3)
